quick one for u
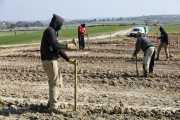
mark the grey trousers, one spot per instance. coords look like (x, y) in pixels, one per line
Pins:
(163, 44)
(55, 81)
(146, 61)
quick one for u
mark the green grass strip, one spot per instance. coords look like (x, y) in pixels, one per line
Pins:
(172, 30)
(21, 38)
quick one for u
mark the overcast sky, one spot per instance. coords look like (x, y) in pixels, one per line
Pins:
(22, 10)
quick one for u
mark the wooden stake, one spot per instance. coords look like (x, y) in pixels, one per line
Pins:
(169, 45)
(75, 86)
(178, 42)
(88, 42)
(136, 67)
(110, 36)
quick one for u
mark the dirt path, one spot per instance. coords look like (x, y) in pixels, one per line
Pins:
(107, 84)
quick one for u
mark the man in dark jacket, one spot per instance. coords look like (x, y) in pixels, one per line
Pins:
(144, 44)
(164, 43)
(50, 51)
(81, 32)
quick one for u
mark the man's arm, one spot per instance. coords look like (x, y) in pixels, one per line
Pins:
(160, 36)
(52, 39)
(138, 46)
(166, 38)
(85, 32)
(63, 55)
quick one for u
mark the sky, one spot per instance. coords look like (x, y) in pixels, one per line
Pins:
(25, 10)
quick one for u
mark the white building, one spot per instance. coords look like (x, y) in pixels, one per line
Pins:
(2, 23)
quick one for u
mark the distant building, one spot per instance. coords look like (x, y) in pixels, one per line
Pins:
(2, 23)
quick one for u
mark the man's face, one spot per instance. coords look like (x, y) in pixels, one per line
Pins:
(84, 25)
(60, 27)
(161, 31)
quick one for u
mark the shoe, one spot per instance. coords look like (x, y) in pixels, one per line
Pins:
(157, 59)
(166, 60)
(151, 75)
(146, 75)
(48, 105)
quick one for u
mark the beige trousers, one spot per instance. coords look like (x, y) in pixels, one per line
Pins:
(55, 81)
(163, 44)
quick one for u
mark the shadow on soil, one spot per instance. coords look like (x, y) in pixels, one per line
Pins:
(114, 76)
(31, 109)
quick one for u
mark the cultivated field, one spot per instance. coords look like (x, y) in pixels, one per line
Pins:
(107, 84)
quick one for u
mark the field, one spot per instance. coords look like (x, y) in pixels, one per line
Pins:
(8, 37)
(171, 30)
(35, 37)
(108, 87)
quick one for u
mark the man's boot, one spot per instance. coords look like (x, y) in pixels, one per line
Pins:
(146, 74)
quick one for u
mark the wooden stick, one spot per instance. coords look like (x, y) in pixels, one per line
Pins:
(88, 42)
(110, 36)
(87, 37)
(169, 46)
(75, 86)
(136, 67)
(178, 42)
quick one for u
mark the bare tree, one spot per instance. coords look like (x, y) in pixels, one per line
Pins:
(12, 26)
(147, 22)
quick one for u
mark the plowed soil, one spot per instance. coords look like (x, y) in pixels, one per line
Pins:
(108, 87)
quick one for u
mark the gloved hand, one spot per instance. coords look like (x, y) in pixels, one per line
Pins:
(72, 62)
(69, 46)
(133, 56)
(159, 38)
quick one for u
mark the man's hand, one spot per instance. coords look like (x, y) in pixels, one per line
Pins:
(167, 46)
(72, 62)
(69, 46)
(159, 38)
(133, 56)
(86, 34)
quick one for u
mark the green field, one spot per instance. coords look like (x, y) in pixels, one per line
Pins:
(92, 31)
(65, 33)
(172, 30)
(5, 33)
(34, 36)
(21, 38)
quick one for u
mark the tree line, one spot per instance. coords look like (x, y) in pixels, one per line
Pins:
(26, 24)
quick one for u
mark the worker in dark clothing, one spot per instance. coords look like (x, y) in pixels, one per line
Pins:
(164, 43)
(144, 44)
(81, 32)
(50, 51)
